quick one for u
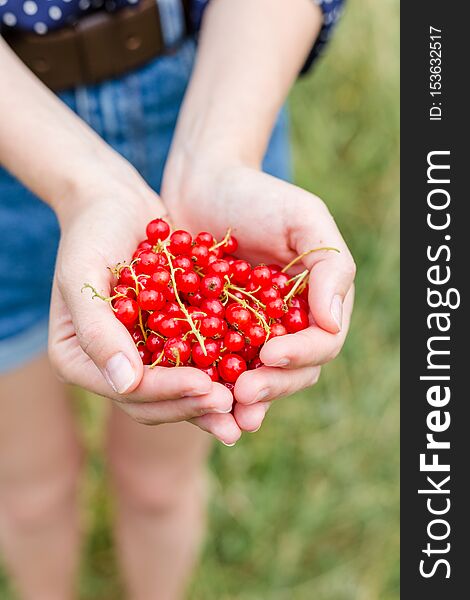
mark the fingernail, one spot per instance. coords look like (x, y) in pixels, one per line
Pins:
(119, 373)
(262, 395)
(228, 445)
(222, 412)
(283, 362)
(337, 310)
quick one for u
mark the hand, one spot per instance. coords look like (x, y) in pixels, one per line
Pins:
(91, 348)
(274, 222)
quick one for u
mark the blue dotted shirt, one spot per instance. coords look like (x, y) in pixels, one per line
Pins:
(42, 16)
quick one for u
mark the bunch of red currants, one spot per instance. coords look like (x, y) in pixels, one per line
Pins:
(192, 302)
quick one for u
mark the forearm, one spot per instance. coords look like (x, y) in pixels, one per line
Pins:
(46, 146)
(250, 53)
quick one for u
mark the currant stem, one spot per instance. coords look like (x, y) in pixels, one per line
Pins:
(224, 241)
(159, 360)
(250, 308)
(141, 325)
(194, 329)
(306, 253)
(299, 281)
(245, 293)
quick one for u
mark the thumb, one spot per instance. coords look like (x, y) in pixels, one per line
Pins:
(101, 336)
(331, 277)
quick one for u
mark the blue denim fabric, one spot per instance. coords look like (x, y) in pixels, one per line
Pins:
(136, 115)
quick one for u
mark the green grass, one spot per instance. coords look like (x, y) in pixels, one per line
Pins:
(308, 507)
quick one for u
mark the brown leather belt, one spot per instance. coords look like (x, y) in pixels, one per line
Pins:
(99, 46)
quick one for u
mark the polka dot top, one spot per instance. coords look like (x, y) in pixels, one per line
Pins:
(41, 16)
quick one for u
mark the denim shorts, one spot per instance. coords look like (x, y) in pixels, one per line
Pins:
(136, 115)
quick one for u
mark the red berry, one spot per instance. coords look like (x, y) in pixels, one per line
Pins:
(151, 300)
(126, 310)
(200, 255)
(157, 230)
(281, 281)
(212, 372)
(229, 386)
(124, 290)
(274, 269)
(211, 286)
(249, 352)
(296, 302)
(177, 350)
(145, 354)
(277, 329)
(268, 294)
(255, 364)
(211, 327)
(213, 307)
(154, 319)
(169, 327)
(196, 299)
(234, 341)
(148, 262)
(183, 262)
(187, 281)
(144, 245)
(205, 360)
(180, 242)
(125, 277)
(205, 239)
(231, 245)
(231, 367)
(295, 320)
(237, 315)
(169, 293)
(137, 334)
(240, 270)
(219, 267)
(154, 343)
(159, 279)
(275, 308)
(256, 335)
(261, 277)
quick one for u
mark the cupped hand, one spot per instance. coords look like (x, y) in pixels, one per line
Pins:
(89, 347)
(274, 222)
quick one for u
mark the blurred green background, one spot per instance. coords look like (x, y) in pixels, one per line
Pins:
(308, 507)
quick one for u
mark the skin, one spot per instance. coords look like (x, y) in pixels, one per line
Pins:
(212, 179)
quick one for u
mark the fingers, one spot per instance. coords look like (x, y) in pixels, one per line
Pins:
(331, 272)
(223, 427)
(312, 346)
(249, 417)
(267, 383)
(101, 336)
(218, 402)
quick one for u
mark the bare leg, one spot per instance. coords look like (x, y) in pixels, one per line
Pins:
(39, 465)
(159, 477)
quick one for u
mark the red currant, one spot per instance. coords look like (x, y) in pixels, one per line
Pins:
(237, 315)
(231, 245)
(211, 327)
(157, 230)
(126, 310)
(169, 327)
(275, 308)
(200, 255)
(151, 300)
(261, 277)
(159, 279)
(277, 329)
(234, 341)
(177, 350)
(256, 335)
(211, 286)
(148, 262)
(205, 239)
(295, 320)
(180, 242)
(205, 360)
(240, 270)
(212, 372)
(183, 262)
(219, 267)
(213, 307)
(231, 367)
(145, 354)
(154, 343)
(187, 281)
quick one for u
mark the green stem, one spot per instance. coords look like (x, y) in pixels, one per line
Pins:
(300, 279)
(222, 242)
(194, 329)
(306, 253)
(248, 307)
